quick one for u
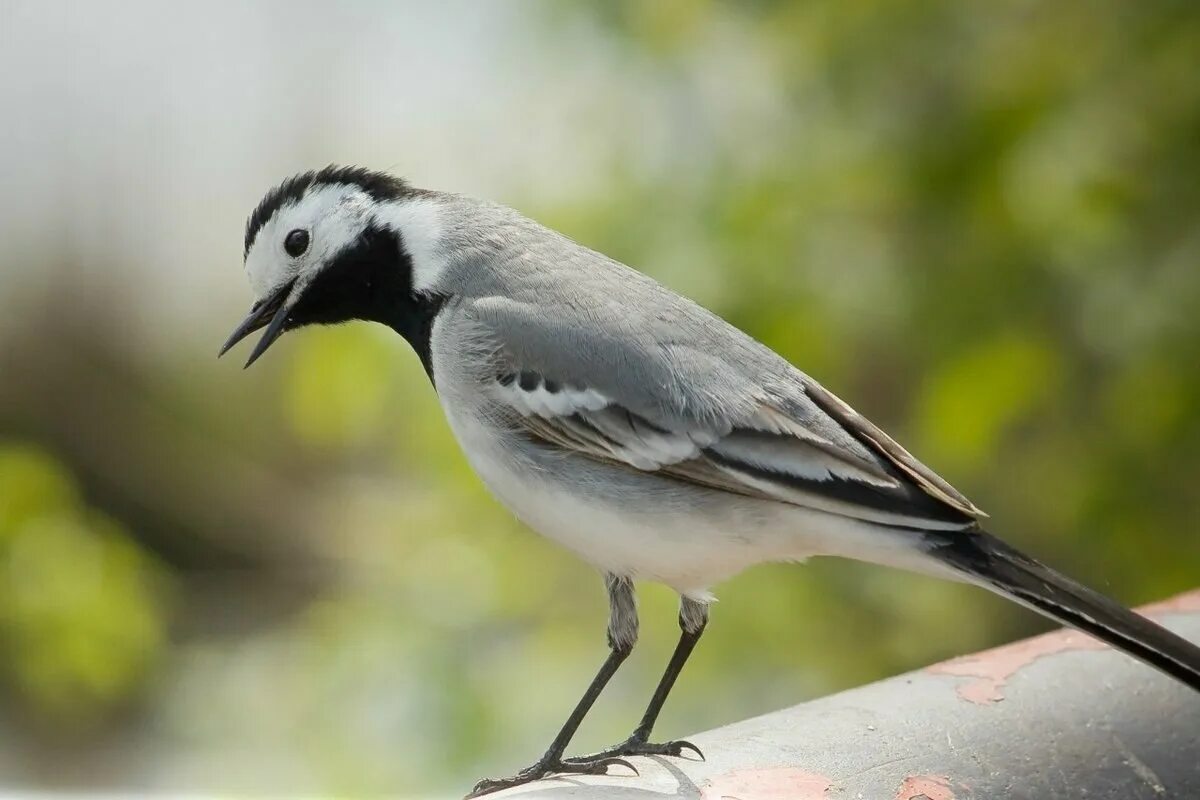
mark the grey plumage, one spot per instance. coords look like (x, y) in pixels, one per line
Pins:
(622, 612)
(693, 616)
(631, 425)
(534, 301)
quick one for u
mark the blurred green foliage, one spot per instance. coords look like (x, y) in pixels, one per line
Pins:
(81, 614)
(977, 223)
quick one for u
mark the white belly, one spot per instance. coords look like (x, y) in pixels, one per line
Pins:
(637, 524)
(686, 544)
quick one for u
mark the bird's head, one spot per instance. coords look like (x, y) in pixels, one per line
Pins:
(338, 244)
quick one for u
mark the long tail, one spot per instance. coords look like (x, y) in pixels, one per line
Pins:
(986, 560)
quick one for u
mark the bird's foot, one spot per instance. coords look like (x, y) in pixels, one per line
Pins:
(637, 746)
(549, 766)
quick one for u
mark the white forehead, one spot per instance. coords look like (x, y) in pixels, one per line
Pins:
(334, 216)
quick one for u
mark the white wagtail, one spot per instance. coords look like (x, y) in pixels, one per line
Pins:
(629, 424)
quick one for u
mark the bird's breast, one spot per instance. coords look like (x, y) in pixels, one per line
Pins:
(618, 519)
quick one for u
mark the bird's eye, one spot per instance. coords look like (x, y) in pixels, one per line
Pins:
(296, 243)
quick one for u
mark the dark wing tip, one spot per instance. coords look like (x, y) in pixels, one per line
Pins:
(870, 434)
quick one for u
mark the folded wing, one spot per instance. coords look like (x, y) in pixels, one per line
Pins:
(769, 454)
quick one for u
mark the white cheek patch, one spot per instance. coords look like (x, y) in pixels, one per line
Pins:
(334, 215)
(420, 222)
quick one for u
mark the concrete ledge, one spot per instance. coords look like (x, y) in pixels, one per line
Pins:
(1056, 716)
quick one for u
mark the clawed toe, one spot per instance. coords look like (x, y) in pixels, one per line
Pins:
(675, 748)
(601, 766)
(547, 769)
(636, 747)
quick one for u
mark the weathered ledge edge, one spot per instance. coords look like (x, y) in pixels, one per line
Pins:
(1055, 716)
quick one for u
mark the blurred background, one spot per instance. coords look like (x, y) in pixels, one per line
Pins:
(978, 223)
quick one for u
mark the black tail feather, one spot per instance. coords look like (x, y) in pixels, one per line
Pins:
(992, 563)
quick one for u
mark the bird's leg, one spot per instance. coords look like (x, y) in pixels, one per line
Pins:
(693, 616)
(622, 634)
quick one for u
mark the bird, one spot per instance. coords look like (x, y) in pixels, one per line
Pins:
(629, 424)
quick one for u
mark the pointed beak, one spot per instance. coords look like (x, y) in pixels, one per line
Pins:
(271, 313)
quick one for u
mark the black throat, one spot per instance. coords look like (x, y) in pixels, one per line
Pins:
(371, 280)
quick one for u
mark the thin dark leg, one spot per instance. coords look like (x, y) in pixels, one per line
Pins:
(622, 633)
(687, 642)
(693, 617)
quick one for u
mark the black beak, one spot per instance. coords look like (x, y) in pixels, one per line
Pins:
(269, 312)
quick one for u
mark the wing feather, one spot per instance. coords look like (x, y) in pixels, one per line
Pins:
(867, 431)
(770, 456)
(615, 367)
